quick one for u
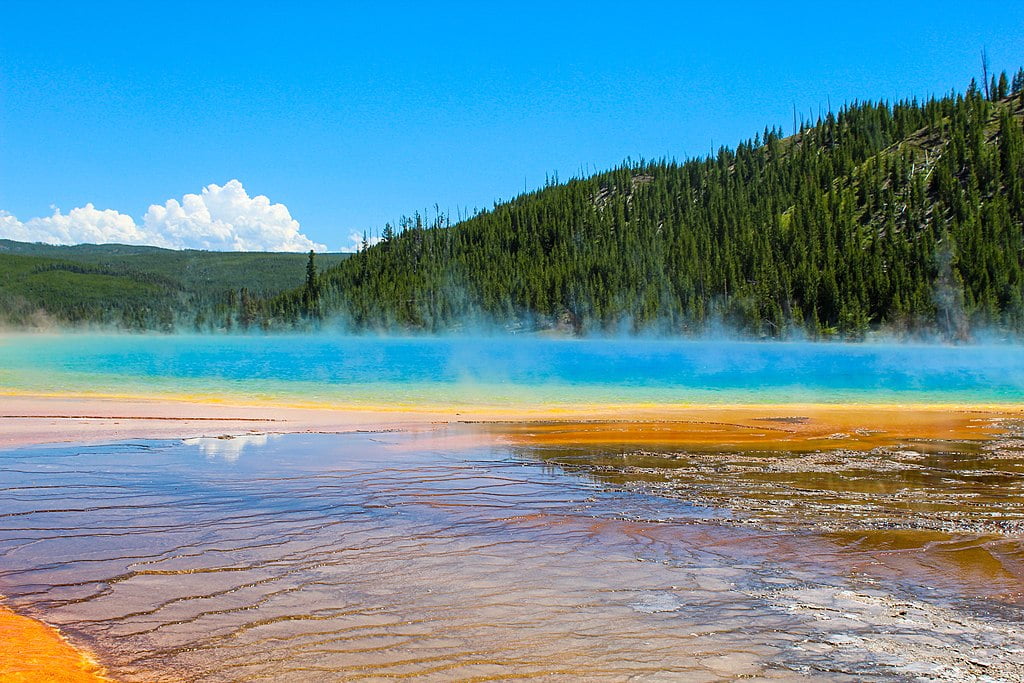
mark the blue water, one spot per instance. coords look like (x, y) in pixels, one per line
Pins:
(505, 371)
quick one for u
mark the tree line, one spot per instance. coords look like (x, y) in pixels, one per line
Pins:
(904, 217)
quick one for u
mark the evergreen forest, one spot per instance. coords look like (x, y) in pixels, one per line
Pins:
(905, 218)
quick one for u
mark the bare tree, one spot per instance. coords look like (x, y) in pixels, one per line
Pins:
(984, 73)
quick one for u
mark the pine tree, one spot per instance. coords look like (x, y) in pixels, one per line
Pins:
(1003, 88)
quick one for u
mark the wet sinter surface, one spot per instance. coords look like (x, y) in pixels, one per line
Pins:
(923, 511)
(391, 555)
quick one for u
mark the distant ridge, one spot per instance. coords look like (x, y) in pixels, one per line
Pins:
(54, 250)
(138, 287)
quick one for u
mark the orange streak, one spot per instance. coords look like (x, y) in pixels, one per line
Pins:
(32, 651)
(795, 428)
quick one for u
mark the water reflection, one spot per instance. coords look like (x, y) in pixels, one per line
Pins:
(229, 448)
(387, 555)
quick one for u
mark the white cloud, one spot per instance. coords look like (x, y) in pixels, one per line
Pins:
(356, 241)
(13, 229)
(221, 218)
(226, 218)
(87, 224)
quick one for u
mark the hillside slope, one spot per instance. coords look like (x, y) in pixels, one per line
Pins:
(907, 218)
(138, 287)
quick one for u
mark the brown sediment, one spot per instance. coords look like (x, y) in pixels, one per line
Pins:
(926, 492)
(31, 651)
(978, 566)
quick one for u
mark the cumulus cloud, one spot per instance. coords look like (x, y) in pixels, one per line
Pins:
(226, 218)
(356, 241)
(220, 218)
(87, 224)
(13, 229)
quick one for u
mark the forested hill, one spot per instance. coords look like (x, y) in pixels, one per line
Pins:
(906, 217)
(138, 287)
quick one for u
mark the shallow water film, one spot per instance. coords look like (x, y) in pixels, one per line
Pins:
(384, 555)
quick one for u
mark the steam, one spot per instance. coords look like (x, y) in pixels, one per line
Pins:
(949, 298)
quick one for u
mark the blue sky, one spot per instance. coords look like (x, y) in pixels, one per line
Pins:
(352, 115)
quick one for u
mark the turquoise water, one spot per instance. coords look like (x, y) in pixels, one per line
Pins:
(507, 371)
